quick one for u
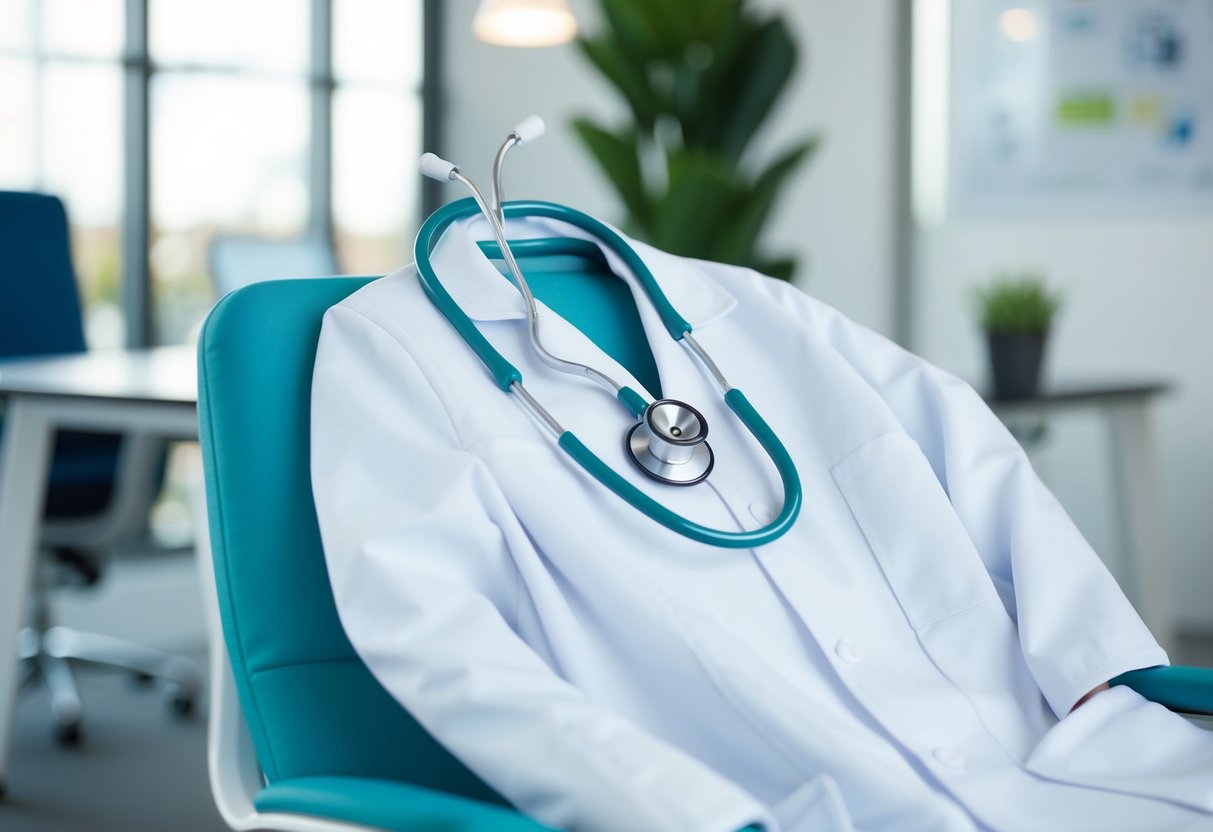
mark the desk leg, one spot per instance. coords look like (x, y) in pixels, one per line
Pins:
(24, 470)
(1142, 527)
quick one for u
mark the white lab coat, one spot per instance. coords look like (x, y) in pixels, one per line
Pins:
(899, 660)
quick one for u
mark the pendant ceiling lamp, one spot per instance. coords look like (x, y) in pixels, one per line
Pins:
(524, 22)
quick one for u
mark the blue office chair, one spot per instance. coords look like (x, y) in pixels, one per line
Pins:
(101, 485)
(319, 737)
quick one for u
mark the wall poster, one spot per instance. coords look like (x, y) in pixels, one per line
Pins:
(1081, 106)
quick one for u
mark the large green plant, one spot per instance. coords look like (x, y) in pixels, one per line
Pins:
(700, 77)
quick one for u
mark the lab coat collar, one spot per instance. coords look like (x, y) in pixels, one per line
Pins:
(481, 292)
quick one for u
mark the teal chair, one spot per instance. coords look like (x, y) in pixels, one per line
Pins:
(302, 736)
(320, 745)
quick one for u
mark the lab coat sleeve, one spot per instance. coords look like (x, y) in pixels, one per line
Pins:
(425, 587)
(1076, 628)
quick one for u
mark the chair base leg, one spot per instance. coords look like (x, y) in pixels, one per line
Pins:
(50, 657)
(67, 711)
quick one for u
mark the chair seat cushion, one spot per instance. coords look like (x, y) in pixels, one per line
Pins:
(384, 804)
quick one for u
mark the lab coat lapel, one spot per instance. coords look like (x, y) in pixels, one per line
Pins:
(484, 295)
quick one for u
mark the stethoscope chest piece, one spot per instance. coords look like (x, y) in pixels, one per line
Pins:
(669, 443)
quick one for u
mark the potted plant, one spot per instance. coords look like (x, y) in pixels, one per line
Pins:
(699, 80)
(1016, 313)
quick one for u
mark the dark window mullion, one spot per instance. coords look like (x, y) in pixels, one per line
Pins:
(38, 65)
(320, 168)
(136, 218)
(432, 114)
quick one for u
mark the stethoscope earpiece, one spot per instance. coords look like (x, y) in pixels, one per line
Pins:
(670, 443)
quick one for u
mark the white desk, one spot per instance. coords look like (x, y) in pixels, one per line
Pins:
(1138, 510)
(151, 391)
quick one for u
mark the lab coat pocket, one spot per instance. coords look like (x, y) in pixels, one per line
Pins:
(814, 807)
(1121, 742)
(914, 533)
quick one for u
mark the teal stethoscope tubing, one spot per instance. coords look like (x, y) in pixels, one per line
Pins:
(506, 375)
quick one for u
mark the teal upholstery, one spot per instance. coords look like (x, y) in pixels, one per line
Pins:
(312, 707)
(386, 804)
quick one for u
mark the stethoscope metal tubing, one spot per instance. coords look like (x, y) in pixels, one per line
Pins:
(531, 404)
(706, 360)
(506, 146)
(532, 310)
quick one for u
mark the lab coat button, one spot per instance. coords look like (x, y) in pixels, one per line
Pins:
(761, 512)
(847, 651)
(950, 757)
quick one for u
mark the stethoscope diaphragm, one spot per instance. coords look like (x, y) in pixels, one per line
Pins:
(670, 445)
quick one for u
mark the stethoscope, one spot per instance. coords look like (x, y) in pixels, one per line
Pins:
(668, 439)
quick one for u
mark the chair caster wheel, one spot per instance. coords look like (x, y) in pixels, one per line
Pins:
(180, 704)
(68, 736)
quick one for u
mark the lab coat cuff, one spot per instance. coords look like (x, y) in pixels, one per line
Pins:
(1065, 691)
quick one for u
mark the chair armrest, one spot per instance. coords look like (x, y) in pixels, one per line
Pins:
(386, 804)
(1184, 689)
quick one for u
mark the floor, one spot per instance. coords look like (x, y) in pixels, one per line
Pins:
(140, 769)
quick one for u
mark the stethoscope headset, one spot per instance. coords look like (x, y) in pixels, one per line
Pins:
(667, 440)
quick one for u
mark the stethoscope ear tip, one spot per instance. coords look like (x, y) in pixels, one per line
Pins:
(435, 167)
(529, 129)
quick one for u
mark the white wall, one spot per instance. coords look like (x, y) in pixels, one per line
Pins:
(1138, 299)
(837, 213)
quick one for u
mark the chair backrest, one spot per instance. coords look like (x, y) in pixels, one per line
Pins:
(39, 304)
(313, 708)
(40, 315)
(238, 260)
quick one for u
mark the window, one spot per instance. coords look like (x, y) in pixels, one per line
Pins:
(164, 123)
(377, 49)
(61, 130)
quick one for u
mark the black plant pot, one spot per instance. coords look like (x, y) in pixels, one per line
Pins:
(1015, 362)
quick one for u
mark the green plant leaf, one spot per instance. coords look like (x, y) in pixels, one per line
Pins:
(739, 240)
(631, 23)
(688, 218)
(1017, 303)
(780, 267)
(627, 76)
(701, 115)
(758, 76)
(711, 71)
(617, 155)
(674, 23)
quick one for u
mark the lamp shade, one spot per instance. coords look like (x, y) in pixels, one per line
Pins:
(524, 22)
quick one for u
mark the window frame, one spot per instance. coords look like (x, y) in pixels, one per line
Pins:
(138, 71)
